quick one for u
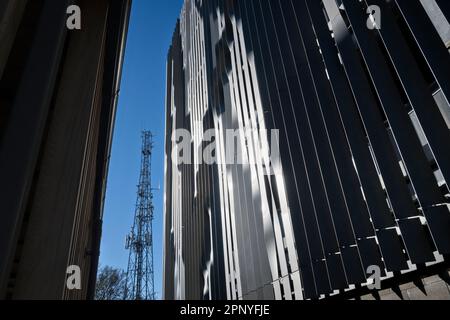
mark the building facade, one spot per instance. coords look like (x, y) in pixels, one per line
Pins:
(356, 93)
(58, 95)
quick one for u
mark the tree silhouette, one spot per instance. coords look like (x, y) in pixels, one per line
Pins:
(110, 284)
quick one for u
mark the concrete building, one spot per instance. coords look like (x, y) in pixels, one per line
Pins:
(357, 95)
(58, 95)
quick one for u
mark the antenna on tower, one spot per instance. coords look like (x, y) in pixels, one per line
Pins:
(140, 275)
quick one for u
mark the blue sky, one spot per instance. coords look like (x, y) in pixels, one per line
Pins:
(141, 106)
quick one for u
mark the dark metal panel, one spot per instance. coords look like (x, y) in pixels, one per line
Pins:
(438, 219)
(356, 135)
(405, 135)
(307, 279)
(429, 41)
(115, 44)
(288, 140)
(50, 244)
(408, 142)
(340, 151)
(353, 265)
(322, 281)
(289, 42)
(357, 209)
(316, 116)
(312, 129)
(291, 96)
(371, 255)
(392, 250)
(416, 88)
(294, 117)
(444, 5)
(11, 14)
(335, 264)
(419, 246)
(23, 136)
(373, 121)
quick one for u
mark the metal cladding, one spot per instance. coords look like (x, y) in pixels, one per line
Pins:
(356, 93)
(58, 97)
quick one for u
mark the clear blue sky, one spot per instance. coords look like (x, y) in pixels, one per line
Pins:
(141, 106)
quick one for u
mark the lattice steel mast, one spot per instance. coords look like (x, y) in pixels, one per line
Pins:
(140, 276)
